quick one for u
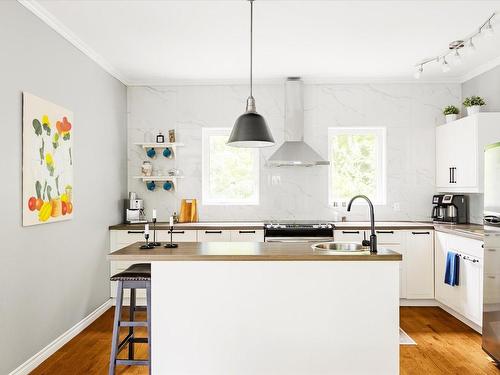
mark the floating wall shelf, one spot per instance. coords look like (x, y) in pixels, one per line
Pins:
(159, 145)
(151, 181)
(166, 146)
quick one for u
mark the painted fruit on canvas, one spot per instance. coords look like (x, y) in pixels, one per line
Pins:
(47, 161)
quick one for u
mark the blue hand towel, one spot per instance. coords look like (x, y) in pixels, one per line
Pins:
(452, 268)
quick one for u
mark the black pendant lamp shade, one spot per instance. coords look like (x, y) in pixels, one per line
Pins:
(250, 129)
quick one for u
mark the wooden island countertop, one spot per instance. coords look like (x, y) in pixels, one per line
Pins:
(243, 251)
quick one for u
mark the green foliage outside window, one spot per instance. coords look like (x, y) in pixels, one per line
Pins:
(353, 166)
(232, 172)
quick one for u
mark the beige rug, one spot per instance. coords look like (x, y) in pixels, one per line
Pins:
(404, 339)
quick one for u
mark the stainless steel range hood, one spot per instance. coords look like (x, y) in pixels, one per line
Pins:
(294, 151)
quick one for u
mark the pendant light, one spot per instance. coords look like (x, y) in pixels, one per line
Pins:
(250, 129)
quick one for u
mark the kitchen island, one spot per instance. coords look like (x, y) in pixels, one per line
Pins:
(271, 308)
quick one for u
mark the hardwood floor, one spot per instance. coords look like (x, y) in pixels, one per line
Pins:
(445, 346)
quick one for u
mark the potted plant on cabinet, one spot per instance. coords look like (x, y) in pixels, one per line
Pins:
(473, 104)
(450, 112)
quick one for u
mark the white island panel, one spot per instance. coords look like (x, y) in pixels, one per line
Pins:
(279, 317)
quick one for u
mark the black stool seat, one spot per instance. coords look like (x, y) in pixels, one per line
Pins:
(136, 272)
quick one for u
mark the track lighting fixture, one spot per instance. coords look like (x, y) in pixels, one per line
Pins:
(453, 54)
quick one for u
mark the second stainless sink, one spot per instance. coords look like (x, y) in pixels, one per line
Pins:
(340, 247)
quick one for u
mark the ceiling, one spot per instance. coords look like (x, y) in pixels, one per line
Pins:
(165, 42)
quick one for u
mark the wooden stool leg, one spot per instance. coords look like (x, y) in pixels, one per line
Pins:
(148, 306)
(131, 318)
(116, 329)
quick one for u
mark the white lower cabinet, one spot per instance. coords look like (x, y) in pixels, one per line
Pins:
(467, 297)
(349, 235)
(417, 267)
(213, 235)
(419, 264)
(247, 235)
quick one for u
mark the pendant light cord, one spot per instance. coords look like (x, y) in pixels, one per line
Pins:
(251, 48)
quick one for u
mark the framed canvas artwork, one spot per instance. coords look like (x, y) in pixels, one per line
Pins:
(47, 161)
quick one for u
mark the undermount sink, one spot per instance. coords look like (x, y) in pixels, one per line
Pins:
(339, 247)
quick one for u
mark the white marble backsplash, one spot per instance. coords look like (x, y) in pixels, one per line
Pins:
(410, 112)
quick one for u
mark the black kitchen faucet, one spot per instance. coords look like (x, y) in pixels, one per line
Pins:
(373, 237)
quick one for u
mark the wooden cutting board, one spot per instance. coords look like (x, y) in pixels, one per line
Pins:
(189, 211)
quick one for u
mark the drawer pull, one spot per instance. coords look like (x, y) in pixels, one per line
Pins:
(350, 231)
(247, 232)
(135, 232)
(491, 277)
(213, 232)
(385, 231)
(176, 232)
(420, 232)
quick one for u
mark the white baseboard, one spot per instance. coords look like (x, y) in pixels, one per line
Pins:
(462, 318)
(417, 302)
(55, 345)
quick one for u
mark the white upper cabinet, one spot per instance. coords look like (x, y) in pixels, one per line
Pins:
(460, 152)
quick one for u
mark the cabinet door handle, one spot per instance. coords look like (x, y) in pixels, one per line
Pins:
(465, 257)
(247, 232)
(385, 231)
(449, 172)
(213, 232)
(453, 170)
(350, 231)
(135, 232)
(176, 231)
(420, 232)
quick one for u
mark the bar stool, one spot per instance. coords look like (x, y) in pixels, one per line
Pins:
(137, 276)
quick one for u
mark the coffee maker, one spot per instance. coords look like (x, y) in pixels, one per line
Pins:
(450, 208)
(134, 210)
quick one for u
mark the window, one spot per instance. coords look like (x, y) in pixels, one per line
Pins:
(230, 174)
(357, 164)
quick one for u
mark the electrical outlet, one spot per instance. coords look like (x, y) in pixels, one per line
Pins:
(396, 206)
(275, 180)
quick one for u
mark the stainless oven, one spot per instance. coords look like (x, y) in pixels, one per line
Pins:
(298, 232)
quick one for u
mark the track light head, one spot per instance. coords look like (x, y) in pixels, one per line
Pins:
(418, 72)
(445, 66)
(456, 58)
(470, 47)
(488, 30)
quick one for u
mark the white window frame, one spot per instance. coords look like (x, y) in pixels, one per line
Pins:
(381, 133)
(205, 178)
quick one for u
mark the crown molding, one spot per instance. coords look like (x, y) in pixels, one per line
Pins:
(480, 69)
(281, 80)
(38, 10)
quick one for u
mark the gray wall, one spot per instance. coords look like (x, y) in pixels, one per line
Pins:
(486, 85)
(53, 275)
